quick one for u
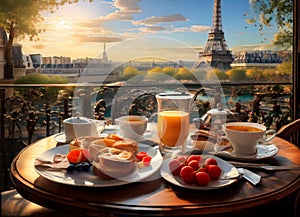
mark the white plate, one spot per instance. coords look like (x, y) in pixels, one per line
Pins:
(148, 135)
(213, 184)
(60, 137)
(263, 152)
(91, 180)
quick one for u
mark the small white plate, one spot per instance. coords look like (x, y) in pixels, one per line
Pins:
(60, 138)
(263, 152)
(88, 179)
(213, 184)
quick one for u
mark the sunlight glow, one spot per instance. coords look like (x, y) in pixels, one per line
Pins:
(62, 24)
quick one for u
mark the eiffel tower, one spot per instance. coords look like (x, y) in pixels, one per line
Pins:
(216, 53)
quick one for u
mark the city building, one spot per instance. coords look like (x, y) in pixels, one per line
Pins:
(257, 58)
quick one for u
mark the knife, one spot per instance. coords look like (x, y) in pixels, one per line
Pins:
(265, 166)
(251, 177)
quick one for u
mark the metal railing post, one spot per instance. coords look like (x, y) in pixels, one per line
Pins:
(2, 112)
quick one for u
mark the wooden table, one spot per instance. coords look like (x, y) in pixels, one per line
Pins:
(157, 197)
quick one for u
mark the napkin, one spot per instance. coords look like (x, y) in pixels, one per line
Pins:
(59, 162)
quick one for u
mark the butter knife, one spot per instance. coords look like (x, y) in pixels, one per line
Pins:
(251, 177)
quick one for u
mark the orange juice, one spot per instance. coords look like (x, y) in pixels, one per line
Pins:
(173, 127)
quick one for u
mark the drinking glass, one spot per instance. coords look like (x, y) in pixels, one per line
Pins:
(173, 120)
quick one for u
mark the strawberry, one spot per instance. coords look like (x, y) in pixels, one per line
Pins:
(195, 164)
(187, 174)
(214, 171)
(202, 178)
(194, 157)
(146, 160)
(210, 161)
(141, 155)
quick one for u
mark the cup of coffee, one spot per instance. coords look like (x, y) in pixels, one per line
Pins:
(80, 126)
(132, 126)
(244, 136)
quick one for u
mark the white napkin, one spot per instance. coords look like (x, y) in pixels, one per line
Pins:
(59, 162)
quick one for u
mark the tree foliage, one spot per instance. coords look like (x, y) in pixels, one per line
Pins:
(269, 74)
(156, 69)
(20, 18)
(285, 69)
(278, 12)
(236, 74)
(282, 73)
(254, 73)
(169, 71)
(37, 78)
(129, 72)
(184, 74)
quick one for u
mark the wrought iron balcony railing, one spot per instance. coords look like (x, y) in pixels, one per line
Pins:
(31, 112)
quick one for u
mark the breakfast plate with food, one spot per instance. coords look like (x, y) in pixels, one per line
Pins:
(199, 172)
(99, 162)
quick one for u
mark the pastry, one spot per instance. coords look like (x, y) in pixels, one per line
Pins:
(127, 144)
(75, 144)
(204, 135)
(203, 140)
(82, 142)
(113, 163)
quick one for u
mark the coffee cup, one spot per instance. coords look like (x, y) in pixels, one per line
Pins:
(132, 126)
(244, 136)
(80, 126)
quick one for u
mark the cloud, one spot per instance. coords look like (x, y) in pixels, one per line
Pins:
(195, 28)
(192, 29)
(152, 24)
(128, 5)
(150, 29)
(170, 29)
(91, 27)
(125, 9)
(117, 15)
(90, 23)
(162, 19)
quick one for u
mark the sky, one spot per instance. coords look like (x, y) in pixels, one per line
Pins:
(134, 29)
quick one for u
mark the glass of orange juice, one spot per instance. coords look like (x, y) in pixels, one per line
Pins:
(173, 120)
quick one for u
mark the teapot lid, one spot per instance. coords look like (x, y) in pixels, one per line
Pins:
(218, 111)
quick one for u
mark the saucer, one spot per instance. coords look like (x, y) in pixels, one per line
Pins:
(263, 152)
(60, 138)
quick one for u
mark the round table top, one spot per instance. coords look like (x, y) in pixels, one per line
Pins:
(157, 196)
